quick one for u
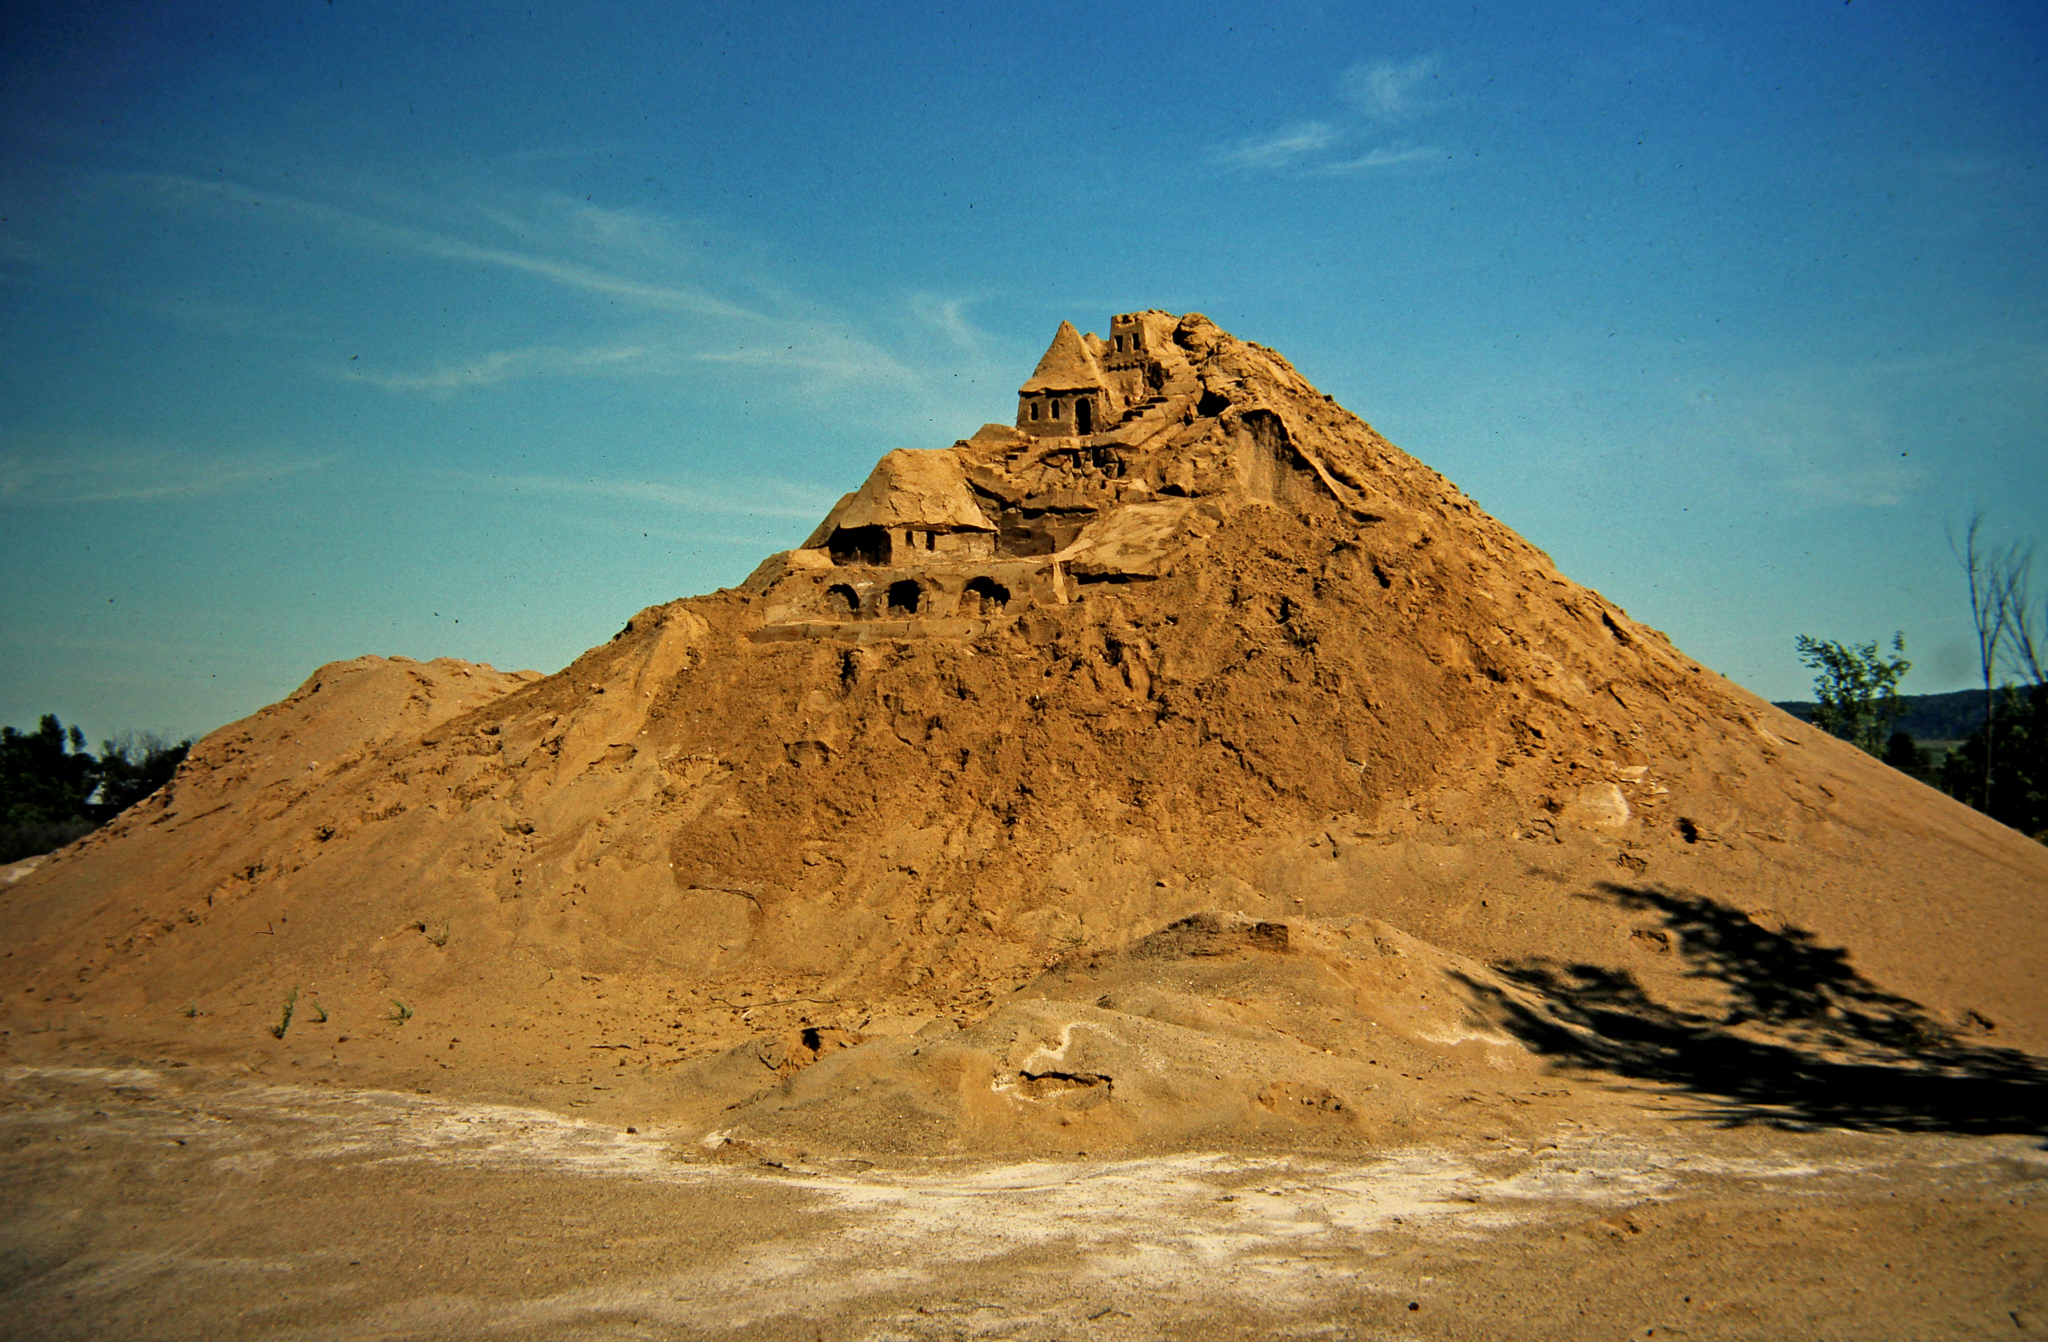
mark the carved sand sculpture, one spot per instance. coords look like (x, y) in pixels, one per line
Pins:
(1183, 764)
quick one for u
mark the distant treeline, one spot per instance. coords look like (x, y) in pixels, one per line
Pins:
(54, 791)
(1927, 717)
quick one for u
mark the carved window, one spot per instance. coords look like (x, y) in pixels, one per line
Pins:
(986, 595)
(859, 545)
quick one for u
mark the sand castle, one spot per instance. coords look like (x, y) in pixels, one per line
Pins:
(1085, 488)
(1181, 771)
(1181, 764)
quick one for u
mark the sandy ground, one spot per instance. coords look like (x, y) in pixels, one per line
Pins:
(158, 1203)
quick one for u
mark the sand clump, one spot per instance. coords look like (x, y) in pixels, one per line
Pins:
(1209, 771)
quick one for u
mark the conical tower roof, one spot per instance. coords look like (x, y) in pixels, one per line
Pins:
(1068, 365)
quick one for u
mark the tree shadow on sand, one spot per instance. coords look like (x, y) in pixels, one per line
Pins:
(1802, 1040)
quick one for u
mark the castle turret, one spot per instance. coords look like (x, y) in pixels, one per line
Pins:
(1068, 395)
(1132, 361)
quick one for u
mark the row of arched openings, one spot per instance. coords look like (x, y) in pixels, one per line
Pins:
(983, 596)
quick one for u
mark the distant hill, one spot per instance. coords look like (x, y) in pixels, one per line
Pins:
(1928, 717)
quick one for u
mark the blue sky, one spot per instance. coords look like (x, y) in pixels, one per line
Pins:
(333, 328)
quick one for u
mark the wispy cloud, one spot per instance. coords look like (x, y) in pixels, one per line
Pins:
(622, 230)
(949, 318)
(1866, 485)
(1379, 94)
(506, 365)
(735, 498)
(1378, 158)
(822, 359)
(1280, 150)
(1388, 90)
(667, 295)
(1818, 434)
(598, 281)
(58, 474)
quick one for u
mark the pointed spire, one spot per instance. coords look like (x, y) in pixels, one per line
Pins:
(1068, 365)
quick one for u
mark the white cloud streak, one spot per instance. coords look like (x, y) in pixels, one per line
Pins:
(1379, 94)
(1280, 150)
(508, 365)
(664, 308)
(1386, 90)
(73, 474)
(761, 498)
(1819, 434)
(1873, 485)
(1378, 158)
(425, 242)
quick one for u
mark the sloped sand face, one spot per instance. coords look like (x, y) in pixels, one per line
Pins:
(1234, 783)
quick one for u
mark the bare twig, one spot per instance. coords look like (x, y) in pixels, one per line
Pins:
(1989, 612)
(2024, 635)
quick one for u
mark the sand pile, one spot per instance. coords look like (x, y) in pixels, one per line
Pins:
(1185, 763)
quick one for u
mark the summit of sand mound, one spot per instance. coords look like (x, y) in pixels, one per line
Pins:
(1182, 762)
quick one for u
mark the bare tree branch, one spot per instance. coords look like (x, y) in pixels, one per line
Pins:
(2023, 632)
(1989, 612)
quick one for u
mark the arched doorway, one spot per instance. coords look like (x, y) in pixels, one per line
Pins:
(1084, 415)
(985, 596)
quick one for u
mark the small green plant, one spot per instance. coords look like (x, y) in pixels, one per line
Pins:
(319, 1014)
(439, 935)
(291, 1000)
(191, 1011)
(400, 1012)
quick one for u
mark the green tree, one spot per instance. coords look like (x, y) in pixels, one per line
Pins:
(45, 774)
(1997, 577)
(2018, 776)
(53, 791)
(1857, 688)
(46, 784)
(2011, 784)
(1905, 755)
(130, 767)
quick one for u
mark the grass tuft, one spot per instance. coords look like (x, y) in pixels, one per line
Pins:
(291, 1000)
